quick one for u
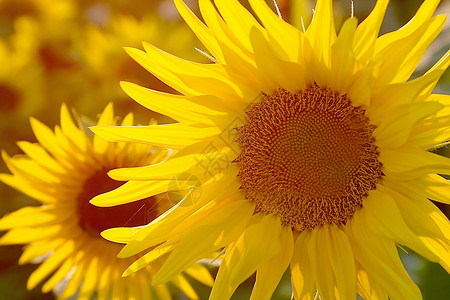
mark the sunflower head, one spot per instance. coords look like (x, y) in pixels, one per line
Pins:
(310, 148)
(63, 171)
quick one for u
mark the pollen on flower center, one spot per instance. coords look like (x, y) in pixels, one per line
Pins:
(309, 157)
(94, 220)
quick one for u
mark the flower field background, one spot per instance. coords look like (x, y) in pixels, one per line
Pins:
(68, 51)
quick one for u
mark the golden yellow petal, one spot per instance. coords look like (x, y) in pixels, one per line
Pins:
(201, 31)
(367, 32)
(342, 60)
(321, 262)
(302, 277)
(34, 216)
(148, 258)
(106, 119)
(287, 38)
(200, 273)
(408, 163)
(90, 277)
(239, 20)
(204, 239)
(368, 287)
(59, 275)
(184, 286)
(39, 248)
(174, 136)
(269, 274)
(321, 32)
(276, 72)
(401, 56)
(163, 292)
(208, 79)
(177, 107)
(129, 192)
(342, 261)
(423, 14)
(398, 125)
(51, 263)
(259, 242)
(379, 257)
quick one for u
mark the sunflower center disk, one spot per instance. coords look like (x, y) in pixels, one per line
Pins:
(309, 157)
(95, 219)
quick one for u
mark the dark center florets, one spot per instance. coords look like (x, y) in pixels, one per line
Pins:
(309, 157)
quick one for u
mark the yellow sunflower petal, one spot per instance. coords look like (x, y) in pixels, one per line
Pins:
(106, 118)
(69, 128)
(59, 275)
(174, 106)
(203, 78)
(270, 272)
(201, 274)
(25, 235)
(424, 13)
(397, 127)
(279, 73)
(301, 270)
(170, 221)
(367, 31)
(402, 55)
(173, 136)
(163, 74)
(41, 156)
(201, 31)
(51, 263)
(106, 280)
(379, 257)
(202, 239)
(258, 243)
(409, 163)
(33, 216)
(90, 279)
(429, 229)
(280, 32)
(129, 192)
(38, 249)
(162, 292)
(145, 291)
(432, 186)
(118, 289)
(342, 262)
(342, 58)
(148, 258)
(321, 32)
(368, 287)
(392, 219)
(239, 20)
(183, 285)
(321, 262)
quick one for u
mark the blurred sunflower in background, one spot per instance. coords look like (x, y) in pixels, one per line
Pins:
(63, 172)
(311, 149)
(71, 51)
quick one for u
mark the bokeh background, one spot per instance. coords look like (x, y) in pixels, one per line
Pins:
(71, 51)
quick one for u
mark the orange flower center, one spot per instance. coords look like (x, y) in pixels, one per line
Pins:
(309, 157)
(95, 219)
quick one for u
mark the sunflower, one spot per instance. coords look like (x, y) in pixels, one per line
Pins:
(310, 149)
(100, 48)
(21, 88)
(63, 172)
